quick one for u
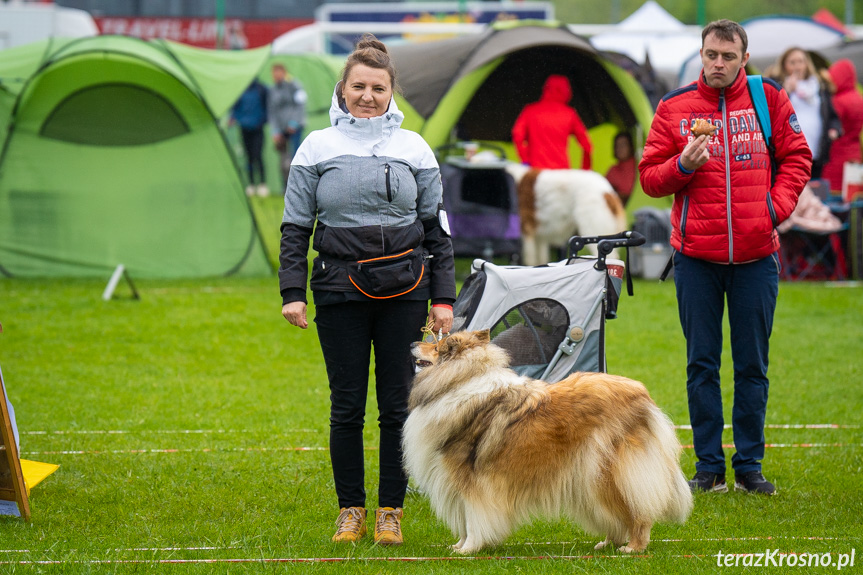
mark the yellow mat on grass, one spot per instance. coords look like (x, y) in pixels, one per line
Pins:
(34, 472)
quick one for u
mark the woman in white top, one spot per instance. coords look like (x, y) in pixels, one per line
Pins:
(811, 98)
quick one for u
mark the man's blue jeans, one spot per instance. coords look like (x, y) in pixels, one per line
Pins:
(750, 290)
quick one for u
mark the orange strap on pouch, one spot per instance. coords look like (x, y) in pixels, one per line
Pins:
(422, 271)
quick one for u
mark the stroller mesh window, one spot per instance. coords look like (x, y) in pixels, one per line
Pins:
(532, 331)
(486, 187)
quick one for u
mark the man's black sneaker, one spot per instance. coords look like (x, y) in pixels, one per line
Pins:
(753, 482)
(707, 481)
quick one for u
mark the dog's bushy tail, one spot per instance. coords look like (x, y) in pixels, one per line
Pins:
(650, 479)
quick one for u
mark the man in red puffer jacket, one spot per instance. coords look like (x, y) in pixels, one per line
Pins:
(541, 132)
(723, 219)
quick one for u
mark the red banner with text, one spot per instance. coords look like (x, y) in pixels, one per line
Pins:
(202, 32)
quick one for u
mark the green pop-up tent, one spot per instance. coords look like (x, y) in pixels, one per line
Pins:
(112, 154)
(473, 87)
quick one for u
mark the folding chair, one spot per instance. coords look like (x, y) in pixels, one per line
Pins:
(813, 255)
(811, 245)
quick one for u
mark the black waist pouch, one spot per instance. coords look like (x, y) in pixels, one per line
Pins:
(388, 276)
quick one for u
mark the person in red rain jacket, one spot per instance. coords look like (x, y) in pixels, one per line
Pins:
(542, 129)
(849, 107)
(723, 219)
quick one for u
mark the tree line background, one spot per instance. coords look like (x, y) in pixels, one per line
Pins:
(612, 11)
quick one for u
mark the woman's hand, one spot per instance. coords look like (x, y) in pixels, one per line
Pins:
(442, 319)
(295, 313)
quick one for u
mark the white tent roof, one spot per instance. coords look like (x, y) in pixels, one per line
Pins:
(25, 23)
(652, 32)
(770, 36)
(651, 17)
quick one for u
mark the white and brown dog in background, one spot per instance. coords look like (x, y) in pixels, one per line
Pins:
(554, 205)
(493, 449)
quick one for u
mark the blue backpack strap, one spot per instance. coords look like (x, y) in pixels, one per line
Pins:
(762, 112)
(756, 91)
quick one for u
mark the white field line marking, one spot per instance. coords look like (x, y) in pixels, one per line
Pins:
(583, 542)
(201, 450)
(286, 431)
(699, 540)
(121, 550)
(791, 426)
(165, 431)
(318, 448)
(358, 559)
(775, 445)
(330, 559)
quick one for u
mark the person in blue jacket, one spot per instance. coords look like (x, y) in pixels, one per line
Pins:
(250, 113)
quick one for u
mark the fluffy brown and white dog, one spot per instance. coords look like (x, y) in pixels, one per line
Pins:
(556, 204)
(493, 449)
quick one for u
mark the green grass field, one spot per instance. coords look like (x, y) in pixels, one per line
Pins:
(191, 431)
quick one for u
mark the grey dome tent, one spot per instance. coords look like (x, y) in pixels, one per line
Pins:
(473, 87)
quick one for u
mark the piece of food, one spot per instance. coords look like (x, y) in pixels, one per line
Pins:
(701, 127)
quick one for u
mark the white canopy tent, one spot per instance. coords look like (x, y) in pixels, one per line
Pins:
(26, 23)
(652, 33)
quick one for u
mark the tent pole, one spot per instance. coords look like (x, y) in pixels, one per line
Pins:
(220, 24)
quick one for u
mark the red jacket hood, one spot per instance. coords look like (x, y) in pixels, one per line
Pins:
(557, 89)
(844, 75)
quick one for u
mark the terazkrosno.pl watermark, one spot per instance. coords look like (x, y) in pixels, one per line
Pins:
(775, 558)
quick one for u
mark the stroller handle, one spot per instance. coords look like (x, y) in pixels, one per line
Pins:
(625, 239)
(606, 244)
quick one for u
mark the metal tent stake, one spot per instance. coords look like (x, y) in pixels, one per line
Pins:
(120, 272)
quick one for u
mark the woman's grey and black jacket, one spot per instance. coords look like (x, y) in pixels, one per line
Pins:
(374, 190)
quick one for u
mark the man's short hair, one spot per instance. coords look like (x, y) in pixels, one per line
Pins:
(279, 66)
(727, 30)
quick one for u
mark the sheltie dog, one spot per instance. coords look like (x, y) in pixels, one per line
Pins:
(493, 449)
(556, 204)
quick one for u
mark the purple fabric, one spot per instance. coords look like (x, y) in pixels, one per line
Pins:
(485, 226)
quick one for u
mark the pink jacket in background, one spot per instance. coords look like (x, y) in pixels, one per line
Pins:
(849, 107)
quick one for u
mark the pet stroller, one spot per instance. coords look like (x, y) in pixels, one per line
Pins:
(481, 202)
(550, 319)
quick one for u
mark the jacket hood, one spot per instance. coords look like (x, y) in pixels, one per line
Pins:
(844, 75)
(363, 128)
(557, 89)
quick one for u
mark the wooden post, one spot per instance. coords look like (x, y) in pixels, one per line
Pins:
(12, 487)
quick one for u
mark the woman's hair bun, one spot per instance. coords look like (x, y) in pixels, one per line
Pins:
(371, 41)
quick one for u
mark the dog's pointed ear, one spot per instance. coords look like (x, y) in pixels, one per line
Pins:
(484, 336)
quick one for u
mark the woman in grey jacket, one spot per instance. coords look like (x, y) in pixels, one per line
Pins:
(374, 191)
